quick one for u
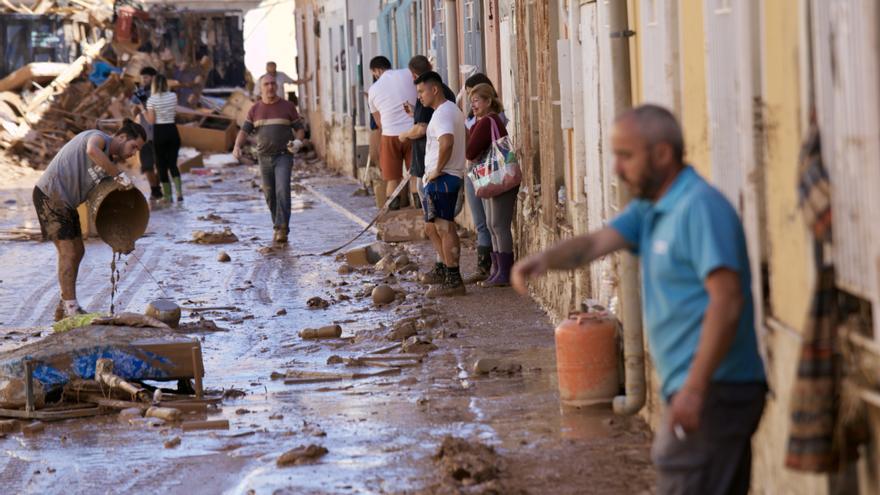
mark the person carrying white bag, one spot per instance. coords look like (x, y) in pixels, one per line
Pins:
(496, 178)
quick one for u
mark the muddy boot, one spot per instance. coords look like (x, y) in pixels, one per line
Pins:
(166, 192)
(63, 310)
(178, 184)
(155, 193)
(281, 236)
(502, 278)
(395, 204)
(436, 276)
(485, 265)
(452, 286)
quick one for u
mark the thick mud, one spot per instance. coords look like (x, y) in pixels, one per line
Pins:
(382, 430)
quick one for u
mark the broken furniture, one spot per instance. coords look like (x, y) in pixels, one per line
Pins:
(65, 361)
(206, 132)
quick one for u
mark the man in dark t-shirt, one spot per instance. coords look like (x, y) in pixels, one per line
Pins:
(279, 132)
(421, 115)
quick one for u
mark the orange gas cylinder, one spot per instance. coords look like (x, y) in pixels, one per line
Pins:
(586, 359)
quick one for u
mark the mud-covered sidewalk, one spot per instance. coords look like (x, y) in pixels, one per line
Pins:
(385, 431)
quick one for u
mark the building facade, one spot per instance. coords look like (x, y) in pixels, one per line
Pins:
(747, 79)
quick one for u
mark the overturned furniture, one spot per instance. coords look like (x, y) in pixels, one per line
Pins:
(61, 369)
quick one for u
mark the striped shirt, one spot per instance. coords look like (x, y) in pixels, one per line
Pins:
(274, 125)
(165, 106)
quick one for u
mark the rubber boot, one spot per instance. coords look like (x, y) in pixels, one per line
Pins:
(178, 184)
(166, 192)
(155, 192)
(493, 272)
(484, 265)
(502, 278)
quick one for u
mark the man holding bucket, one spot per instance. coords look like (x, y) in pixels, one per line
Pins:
(77, 168)
(697, 304)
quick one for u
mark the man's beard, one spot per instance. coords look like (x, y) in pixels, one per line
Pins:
(649, 183)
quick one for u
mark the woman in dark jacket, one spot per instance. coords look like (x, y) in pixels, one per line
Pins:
(499, 209)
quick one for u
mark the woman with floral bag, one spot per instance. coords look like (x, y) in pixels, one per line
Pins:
(500, 208)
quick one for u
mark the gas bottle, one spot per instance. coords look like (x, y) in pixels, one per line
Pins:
(587, 359)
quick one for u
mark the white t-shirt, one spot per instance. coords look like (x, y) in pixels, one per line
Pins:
(387, 95)
(280, 78)
(447, 119)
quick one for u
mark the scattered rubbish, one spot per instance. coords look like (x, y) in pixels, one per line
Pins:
(317, 303)
(33, 428)
(402, 330)
(242, 411)
(126, 415)
(75, 321)
(223, 257)
(226, 236)
(129, 320)
(276, 416)
(234, 393)
(334, 359)
(168, 414)
(345, 269)
(483, 366)
(213, 217)
(214, 424)
(383, 294)
(13, 393)
(325, 332)
(174, 442)
(165, 311)
(369, 254)
(418, 345)
(281, 312)
(301, 455)
(9, 425)
(468, 463)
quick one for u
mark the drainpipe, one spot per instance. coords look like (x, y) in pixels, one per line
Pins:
(351, 89)
(451, 25)
(630, 300)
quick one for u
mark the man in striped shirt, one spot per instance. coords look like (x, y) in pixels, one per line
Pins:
(276, 122)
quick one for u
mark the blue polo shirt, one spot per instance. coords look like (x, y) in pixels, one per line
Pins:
(682, 238)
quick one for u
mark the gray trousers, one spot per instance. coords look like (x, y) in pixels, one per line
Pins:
(275, 173)
(717, 458)
(499, 219)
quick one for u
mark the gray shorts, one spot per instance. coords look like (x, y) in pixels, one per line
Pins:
(717, 458)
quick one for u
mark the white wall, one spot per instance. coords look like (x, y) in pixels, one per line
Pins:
(270, 35)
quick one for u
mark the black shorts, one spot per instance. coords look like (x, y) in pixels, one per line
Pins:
(58, 222)
(148, 157)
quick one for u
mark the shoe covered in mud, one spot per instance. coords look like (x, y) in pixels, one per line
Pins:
(61, 314)
(436, 276)
(395, 204)
(452, 286)
(484, 266)
(281, 236)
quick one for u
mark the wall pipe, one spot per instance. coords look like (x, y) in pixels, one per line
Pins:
(630, 300)
(450, 23)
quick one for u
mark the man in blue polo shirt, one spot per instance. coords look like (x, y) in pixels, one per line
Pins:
(697, 303)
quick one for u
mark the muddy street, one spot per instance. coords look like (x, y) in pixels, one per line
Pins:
(385, 429)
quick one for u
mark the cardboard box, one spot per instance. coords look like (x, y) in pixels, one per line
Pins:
(206, 132)
(186, 166)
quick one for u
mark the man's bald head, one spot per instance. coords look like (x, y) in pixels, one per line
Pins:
(648, 150)
(656, 125)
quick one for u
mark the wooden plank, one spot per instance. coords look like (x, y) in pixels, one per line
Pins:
(39, 72)
(49, 415)
(216, 424)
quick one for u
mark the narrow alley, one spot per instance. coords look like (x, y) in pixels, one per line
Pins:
(440, 247)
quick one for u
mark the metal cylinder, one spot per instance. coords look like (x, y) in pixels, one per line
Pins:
(587, 359)
(121, 215)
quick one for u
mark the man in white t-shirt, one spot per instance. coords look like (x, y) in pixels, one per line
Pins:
(387, 96)
(445, 168)
(281, 79)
